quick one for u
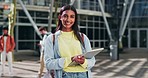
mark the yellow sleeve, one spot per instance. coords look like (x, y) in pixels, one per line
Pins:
(67, 61)
(84, 65)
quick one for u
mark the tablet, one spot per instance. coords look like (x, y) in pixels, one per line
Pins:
(88, 55)
(92, 53)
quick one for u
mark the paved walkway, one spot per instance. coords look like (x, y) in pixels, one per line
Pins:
(133, 63)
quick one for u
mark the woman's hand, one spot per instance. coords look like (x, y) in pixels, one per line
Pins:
(78, 59)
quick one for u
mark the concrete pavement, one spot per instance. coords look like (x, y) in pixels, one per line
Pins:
(133, 63)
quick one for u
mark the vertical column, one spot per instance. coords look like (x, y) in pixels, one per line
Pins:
(103, 3)
(79, 4)
(50, 15)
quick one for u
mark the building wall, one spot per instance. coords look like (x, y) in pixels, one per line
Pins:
(90, 22)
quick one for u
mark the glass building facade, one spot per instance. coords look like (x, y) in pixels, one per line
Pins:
(90, 21)
(138, 25)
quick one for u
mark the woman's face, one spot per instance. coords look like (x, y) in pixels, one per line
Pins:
(68, 19)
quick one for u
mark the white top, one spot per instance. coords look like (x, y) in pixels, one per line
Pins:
(5, 39)
(42, 42)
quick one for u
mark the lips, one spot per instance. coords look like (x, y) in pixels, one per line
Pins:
(68, 23)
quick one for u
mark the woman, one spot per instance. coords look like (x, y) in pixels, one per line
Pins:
(66, 45)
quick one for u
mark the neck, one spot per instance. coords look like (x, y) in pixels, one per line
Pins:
(66, 30)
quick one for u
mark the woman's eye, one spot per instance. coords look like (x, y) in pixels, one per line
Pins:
(64, 15)
(72, 16)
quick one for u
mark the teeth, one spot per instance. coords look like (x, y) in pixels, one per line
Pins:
(67, 23)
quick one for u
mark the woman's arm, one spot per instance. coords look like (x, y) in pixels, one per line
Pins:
(52, 62)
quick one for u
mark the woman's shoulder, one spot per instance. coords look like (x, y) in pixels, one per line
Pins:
(57, 32)
(82, 34)
(54, 34)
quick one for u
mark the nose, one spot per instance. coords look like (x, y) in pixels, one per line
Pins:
(68, 19)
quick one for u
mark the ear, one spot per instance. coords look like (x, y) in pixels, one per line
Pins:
(59, 17)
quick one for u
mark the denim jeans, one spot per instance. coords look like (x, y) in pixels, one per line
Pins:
(74, 75)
